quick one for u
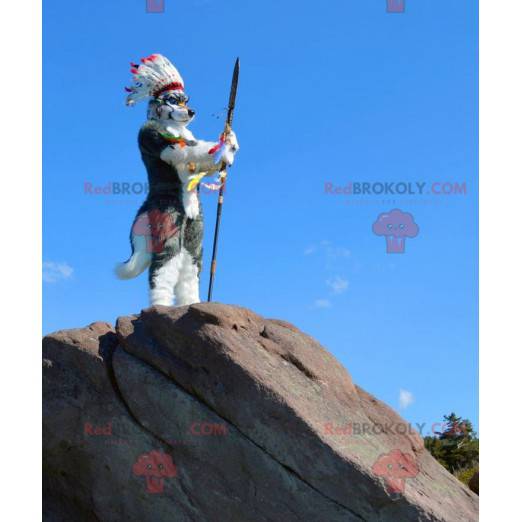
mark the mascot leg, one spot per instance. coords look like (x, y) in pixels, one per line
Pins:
(163, 277)
(187, 288)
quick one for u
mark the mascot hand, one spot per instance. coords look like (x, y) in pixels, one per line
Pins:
(231, 147)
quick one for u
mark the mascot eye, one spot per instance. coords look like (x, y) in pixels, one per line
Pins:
(176, 100)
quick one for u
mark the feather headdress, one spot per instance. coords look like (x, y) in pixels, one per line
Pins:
(154, 76)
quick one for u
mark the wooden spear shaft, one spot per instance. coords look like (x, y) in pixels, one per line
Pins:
(228, 126)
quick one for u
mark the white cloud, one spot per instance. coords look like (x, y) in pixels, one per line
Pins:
(335, 252)
(322, 303)
(338, 252)
(53, 272)
(331, 251)
(338, 284)
(334, 259)
(405, 398)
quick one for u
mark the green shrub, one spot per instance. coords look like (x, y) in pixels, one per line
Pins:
(465, 475)
(456, 446)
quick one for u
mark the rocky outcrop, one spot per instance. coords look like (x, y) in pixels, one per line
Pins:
(474, 483)
(213, 413)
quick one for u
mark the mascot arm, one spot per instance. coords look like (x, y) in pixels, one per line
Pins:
(183, 156)
(194, 156)
(188, 154)
(198, 156)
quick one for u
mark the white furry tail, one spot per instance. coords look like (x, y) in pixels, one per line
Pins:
(138, 262)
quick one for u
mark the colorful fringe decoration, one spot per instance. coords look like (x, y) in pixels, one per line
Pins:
(196, 178)
(218, 149)
(175, 140)
(211, 186)
(194, 181)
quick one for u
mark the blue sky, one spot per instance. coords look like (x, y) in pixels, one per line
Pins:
(330, 93)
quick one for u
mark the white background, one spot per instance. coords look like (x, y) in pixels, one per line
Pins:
(500, 258)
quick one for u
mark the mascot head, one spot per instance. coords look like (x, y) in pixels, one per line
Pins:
(158, 80)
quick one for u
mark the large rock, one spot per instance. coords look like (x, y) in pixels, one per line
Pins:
(213, 413)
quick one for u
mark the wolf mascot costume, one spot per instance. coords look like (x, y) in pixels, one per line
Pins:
(167, 232)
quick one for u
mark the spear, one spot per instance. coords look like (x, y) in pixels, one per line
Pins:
(228, 126)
